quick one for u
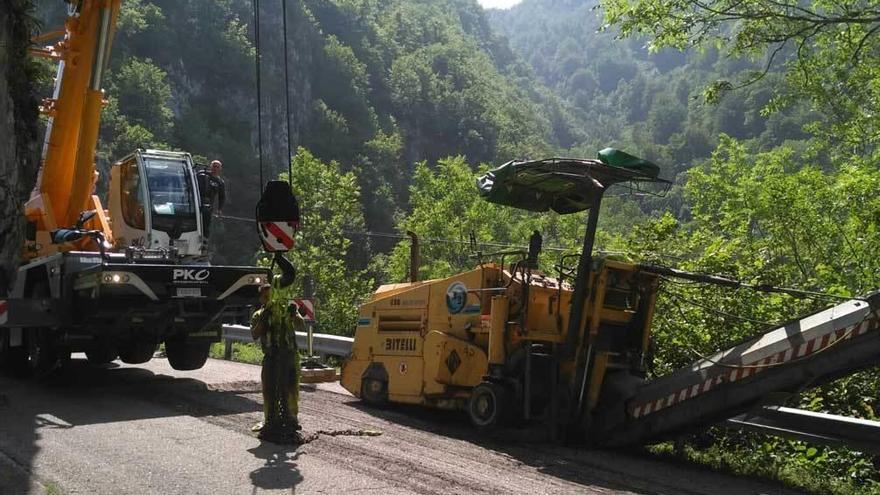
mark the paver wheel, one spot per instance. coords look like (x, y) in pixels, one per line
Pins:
(489, 405)
(374, 391)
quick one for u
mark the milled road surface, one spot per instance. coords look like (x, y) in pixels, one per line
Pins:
(149, 429)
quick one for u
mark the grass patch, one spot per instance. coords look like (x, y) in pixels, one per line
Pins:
(813, 469)
(251, 353)
(52, 489)
(242, 352)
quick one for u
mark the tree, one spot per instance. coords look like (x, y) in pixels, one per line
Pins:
(830, 48)
(447, 209)
(766, 218)
(330, 212)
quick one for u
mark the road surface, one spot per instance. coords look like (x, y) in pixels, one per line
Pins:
(149, 429)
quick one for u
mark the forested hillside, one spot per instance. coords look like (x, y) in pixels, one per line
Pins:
(377, 86)
(651, 103)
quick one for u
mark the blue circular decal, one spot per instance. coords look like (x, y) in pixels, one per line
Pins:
(456, 297)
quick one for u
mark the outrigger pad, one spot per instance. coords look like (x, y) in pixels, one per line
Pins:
(277, 217)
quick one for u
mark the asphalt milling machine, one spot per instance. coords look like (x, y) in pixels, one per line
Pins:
(511, 345)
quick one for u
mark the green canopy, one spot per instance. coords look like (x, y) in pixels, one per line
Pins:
(564, 185)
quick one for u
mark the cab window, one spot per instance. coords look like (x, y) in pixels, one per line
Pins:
(132, 196)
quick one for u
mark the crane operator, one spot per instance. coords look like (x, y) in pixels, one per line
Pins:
(213, 191)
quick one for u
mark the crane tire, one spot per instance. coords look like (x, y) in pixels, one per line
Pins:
(187, 355)
(137, 351)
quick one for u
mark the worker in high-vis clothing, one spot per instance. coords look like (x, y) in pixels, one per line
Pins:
(275, 325)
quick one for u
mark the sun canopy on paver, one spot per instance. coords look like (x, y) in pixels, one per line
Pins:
(564, 185)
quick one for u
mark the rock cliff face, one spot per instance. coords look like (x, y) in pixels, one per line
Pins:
(18, 132)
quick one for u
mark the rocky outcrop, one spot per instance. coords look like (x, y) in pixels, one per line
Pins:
(18, 132)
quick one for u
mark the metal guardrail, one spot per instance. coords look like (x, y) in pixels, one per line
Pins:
(827, 429)
(323, 344)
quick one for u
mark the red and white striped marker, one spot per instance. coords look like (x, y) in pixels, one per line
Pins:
(277, 236)
(307, 308)
(807, 348)
(4, 311)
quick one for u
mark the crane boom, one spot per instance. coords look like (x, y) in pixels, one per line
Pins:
(64, 187)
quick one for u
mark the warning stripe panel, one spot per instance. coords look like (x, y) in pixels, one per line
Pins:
(308, 307)
(277, 236)
(741, 372)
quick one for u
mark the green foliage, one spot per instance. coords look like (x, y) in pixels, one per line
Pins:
(242, 352)
(445, 205)
(796, 464)
(137, 16)
(330, 207)
(648, 101)
(828, 47)
(446, 210)
(138, 113)
(765, 218)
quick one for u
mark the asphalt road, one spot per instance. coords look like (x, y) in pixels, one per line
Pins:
(149, 429)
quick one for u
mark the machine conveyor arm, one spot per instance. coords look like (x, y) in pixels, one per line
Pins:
(802, 354)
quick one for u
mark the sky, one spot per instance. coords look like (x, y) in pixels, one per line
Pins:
(498, 4)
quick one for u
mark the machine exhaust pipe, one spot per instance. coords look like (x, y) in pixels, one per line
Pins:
(413, 256)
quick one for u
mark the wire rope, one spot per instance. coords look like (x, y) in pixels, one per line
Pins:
(257, 56)
(287, 95)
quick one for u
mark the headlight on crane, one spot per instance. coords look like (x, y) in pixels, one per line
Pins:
(116, 278)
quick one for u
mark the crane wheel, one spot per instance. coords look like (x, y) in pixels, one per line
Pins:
(42, 357)
(489, 405)
(187, 355)
(13, 360)
(374, 391)
(101, 354)
(137, 351)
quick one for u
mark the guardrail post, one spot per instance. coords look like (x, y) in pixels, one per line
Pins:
(227, 352)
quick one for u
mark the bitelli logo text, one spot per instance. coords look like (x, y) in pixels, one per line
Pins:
(190, 275)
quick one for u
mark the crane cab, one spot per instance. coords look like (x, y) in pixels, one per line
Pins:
(155, 203)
